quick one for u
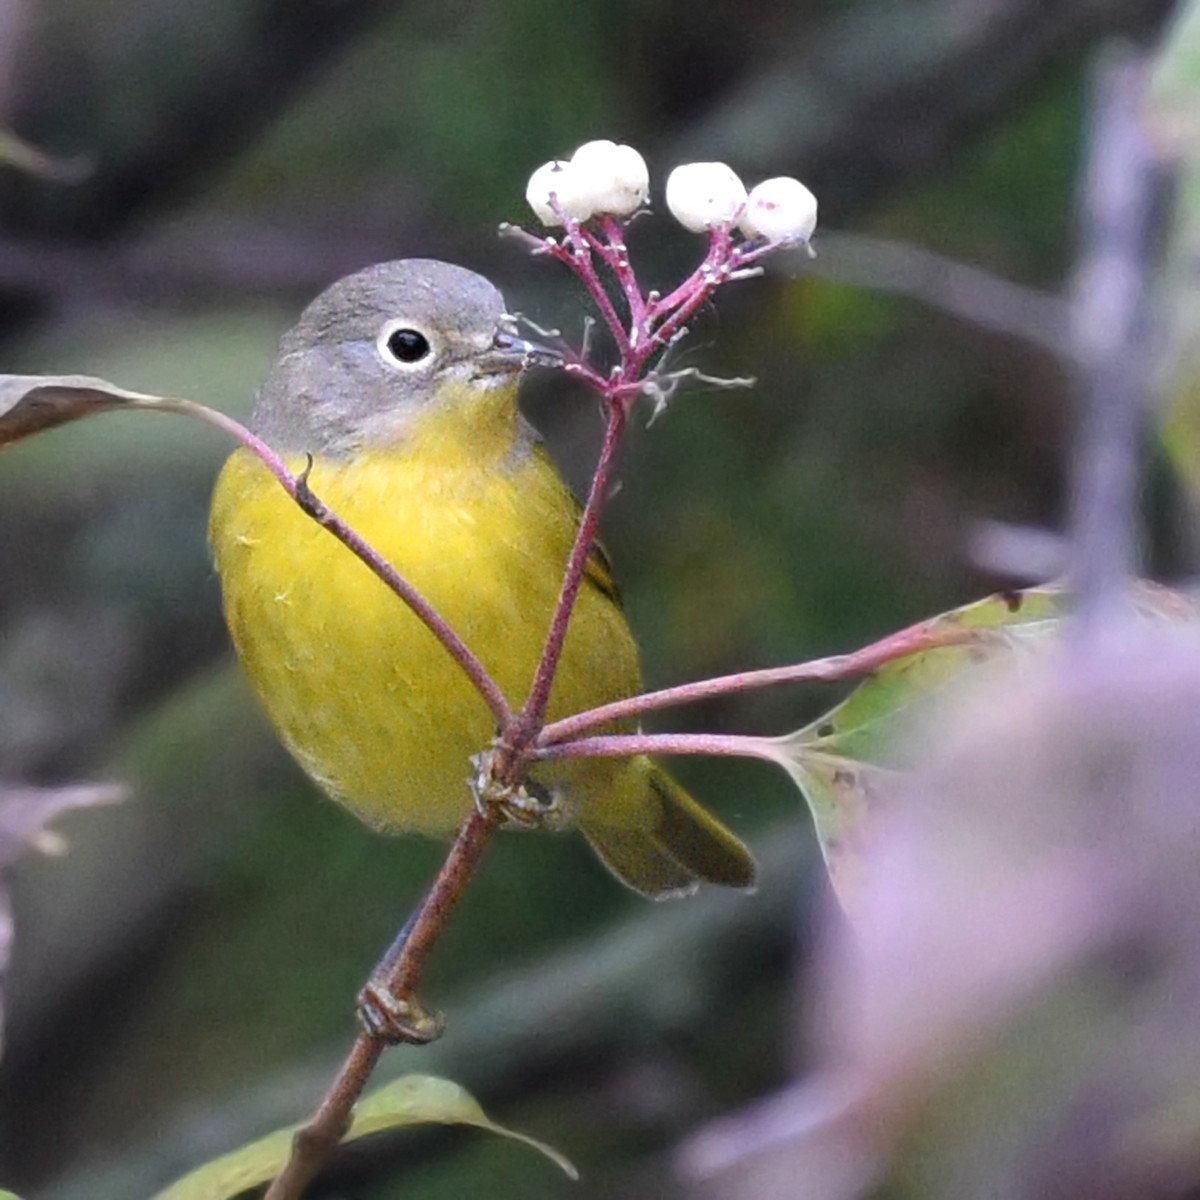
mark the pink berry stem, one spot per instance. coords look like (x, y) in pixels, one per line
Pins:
(616, 254)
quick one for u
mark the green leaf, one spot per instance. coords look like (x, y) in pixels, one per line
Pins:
(409, 1100)
(843, 761)
(862, 727)
(8, 1195)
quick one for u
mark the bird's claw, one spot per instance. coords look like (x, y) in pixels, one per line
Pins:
(525, 805)
(397, 1019)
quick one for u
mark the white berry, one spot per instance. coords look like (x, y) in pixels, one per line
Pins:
(559, 179)
(701, 195)
(780, 209)
(613, 178)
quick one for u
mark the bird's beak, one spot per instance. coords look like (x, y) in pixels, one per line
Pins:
(510, 353)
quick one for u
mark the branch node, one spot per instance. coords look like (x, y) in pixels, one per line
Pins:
(307, 498)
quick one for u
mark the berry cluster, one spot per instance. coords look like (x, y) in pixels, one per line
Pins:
(599, 178)
(593, 195)
(604, 179)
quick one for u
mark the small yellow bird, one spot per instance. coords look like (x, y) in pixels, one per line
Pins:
(401, 385)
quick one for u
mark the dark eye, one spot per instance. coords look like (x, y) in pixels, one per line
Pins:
(408, 345)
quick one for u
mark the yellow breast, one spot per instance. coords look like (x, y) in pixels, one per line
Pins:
(362, 694)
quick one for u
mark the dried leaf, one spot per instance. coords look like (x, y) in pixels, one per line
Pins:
(30, 404)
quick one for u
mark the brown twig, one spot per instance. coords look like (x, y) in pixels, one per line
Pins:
(399, 973)
(403, 970)
(315, 1142)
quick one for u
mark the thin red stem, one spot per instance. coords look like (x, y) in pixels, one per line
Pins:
(608, 311)
(668, 303)
(588, 373)
(704, 290)
(721, 263)
(836, 667)
(315, 1141)
(617, 257)
(579, 259)
(534, 711)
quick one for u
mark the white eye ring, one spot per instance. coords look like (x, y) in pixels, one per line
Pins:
(404, 345)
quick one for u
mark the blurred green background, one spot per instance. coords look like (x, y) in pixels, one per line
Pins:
(185, 979)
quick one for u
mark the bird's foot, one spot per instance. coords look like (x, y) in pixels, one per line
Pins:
(397, 1019)
(525, 804)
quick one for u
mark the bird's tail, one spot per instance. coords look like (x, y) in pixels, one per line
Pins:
(653, 836)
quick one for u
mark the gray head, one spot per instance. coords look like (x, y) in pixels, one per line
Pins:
(369, 352)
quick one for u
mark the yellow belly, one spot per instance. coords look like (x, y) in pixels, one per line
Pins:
(361, 693)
